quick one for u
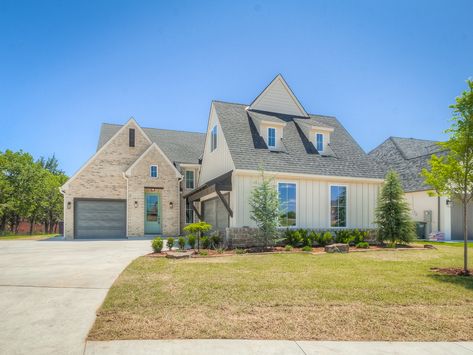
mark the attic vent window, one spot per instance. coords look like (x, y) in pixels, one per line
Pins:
(131, 137)
(271, 137)
(213, 139)
(319, 142)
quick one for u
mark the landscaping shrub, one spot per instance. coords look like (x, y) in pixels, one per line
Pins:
(325, 239)
(181, 242)
(191, 240)
(362, 245)
(288, 248)
(343, 236)
(220, 250)
(313, 238)
(203, 253)
(157, 244)
(304, 235)
(293, 237)
(307, 248)
(240, 251)
(205, 242)
(215, 239)
(170, 243)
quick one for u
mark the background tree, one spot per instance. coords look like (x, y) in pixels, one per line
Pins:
(452, 174)
(264, 203)
(393, 213)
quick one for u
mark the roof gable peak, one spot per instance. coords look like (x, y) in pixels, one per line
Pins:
(278, 97)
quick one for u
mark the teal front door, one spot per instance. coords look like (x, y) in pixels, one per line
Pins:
(152, 213)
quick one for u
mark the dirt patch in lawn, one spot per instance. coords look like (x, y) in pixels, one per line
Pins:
(456, 271)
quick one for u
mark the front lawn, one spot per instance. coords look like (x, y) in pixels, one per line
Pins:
(378, 295)
(26, 236)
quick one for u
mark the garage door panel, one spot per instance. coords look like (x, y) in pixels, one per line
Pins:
(100, 219)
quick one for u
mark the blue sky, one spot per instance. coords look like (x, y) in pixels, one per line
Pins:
(382, 67)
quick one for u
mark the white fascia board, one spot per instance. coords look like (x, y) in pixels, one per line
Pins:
(280, 175)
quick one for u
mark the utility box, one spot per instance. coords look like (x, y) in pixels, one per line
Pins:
(428, 221)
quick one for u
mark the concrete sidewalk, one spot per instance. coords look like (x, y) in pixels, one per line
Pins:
(273, 347)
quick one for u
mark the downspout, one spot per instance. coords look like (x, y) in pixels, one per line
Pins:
(64, 206)
(438, 213)
(126, 217)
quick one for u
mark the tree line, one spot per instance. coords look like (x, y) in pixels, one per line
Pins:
(29, 191)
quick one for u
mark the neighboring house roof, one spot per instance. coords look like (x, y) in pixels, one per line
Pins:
(407, 156)
(249, 151)
(179, 146)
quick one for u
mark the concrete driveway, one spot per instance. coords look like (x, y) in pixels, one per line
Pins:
(50, 291)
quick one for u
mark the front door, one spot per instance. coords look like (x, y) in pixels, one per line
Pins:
(152, 213)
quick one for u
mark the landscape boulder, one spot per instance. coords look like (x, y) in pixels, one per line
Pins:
(337, 248)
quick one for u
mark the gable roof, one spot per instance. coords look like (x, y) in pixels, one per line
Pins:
(249, 151)
(407, 156)
(153, 146)
(178, 146)
(278, 94)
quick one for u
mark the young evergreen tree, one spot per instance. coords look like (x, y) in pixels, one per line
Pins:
(393, 213)
(264, 202)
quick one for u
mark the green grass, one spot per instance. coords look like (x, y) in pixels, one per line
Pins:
(378, 295)
(26, 236)
(451, 244)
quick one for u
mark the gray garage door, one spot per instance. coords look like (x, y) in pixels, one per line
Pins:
(100, 219)
(215, 213)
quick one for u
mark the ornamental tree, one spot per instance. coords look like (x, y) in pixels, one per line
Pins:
(393, 213)
(264, 203)
(451, 174)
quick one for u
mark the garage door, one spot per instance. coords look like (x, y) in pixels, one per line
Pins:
(215, 213)
(100, 219)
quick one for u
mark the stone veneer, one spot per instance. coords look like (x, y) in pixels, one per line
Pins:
(242, 237)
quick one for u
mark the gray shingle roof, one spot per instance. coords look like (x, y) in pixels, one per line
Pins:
(249, 151)
(407, 156)
(179, 146)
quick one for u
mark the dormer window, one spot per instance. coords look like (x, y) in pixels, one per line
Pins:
(319, 142)
(271, 137)
(213, 138)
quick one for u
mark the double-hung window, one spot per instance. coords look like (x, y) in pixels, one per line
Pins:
(271, 137)
(189, 179)
(213, 138)
(338, 206)
(153, 171)
(287, 204)
(319, 142)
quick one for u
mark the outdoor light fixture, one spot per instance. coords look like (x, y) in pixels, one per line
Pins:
(171, 205)
(449, 202)
(69, 204)
(136, 204)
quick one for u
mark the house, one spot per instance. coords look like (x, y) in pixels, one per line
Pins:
(138, 178)
(408, 156)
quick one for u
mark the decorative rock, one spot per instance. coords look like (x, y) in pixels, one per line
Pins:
(337, 248)
(179, 254)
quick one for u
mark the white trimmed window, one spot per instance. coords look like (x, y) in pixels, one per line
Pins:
(213, 138)
(338, 206)
(272, 137)
(319, 142)
(153, 171)
(287, 204)
(189, 179)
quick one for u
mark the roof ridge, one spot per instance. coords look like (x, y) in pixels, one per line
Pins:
(158, 129)
(416, 139)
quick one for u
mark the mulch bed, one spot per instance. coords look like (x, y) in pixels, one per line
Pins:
(454, 271)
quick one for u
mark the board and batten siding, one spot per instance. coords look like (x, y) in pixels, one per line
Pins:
(219, 161)
(313, 209)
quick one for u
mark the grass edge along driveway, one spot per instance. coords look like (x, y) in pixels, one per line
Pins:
(383, 295)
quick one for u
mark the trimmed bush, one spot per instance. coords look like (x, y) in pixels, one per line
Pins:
(240, 251)
(293, 237)
(362, 245)
(304, 235)
(191, 240)
(307, 248)
(343, 236)
(313, 238)
(181, 242)
(203, 253)
(215, 240)
(157, 244)
(220, 250)
(325, 239)
(288, 248)
(170, 243)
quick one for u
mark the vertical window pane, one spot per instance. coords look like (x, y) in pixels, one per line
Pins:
(213, 139)
(271, 137)
(338, 206)
(189, 179)
(131, 137)
(189, 213)
(320, 142)
(287, 204)
(153, 171)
